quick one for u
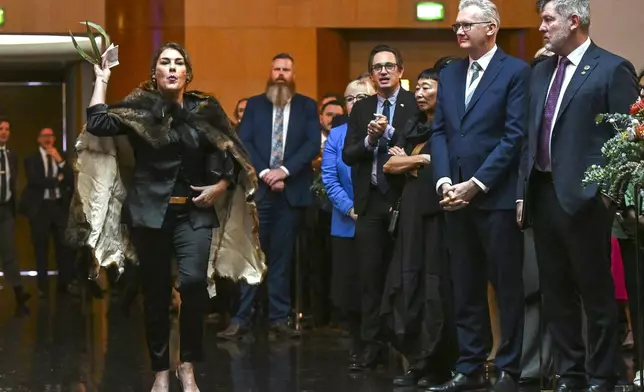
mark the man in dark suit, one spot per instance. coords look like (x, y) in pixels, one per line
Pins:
(281, 131)
(8, 175)
(479, 126)
(572, 224)
(371, 131)
(45, 202)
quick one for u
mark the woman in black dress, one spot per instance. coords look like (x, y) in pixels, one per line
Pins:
(188, 169)
(416, 303)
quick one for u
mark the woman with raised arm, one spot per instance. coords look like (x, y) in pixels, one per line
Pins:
(178, 172)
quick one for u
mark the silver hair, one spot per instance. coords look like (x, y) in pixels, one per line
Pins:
(487, 7)
(568, 8)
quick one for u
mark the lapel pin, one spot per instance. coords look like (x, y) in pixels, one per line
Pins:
(586, 68)
(583, 72)
(402, 105)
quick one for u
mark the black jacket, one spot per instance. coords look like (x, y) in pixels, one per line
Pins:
(165, 170)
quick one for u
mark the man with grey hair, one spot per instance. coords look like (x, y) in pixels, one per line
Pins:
(478, 129)
(572, 223)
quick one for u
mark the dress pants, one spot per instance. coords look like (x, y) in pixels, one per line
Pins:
(375, 248)
(486, 245)
(278, 230)
(51, 219)
(573, 253)
(8, 256)
(155, 249)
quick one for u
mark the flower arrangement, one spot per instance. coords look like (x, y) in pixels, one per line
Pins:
(318, 186)
(624, 154)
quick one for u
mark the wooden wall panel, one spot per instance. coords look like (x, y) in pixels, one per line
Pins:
(139, 28)
(337, 13)
(333, 62)
(50, 16)
(236, 62)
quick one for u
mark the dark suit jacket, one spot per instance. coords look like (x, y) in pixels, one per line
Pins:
(168, 169)
(484, 140)
(303, 141)
(34, 193)
(356, 155)
(603, 83)
(13, 170)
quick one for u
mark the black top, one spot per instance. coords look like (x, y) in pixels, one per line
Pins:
(419, 189)
(169, 169)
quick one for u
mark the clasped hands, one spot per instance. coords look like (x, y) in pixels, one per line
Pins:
(458, 196)
(275, 179)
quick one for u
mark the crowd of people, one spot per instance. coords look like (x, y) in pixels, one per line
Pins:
(429, 197)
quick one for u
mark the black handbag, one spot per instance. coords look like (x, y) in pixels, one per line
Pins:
(393, 222)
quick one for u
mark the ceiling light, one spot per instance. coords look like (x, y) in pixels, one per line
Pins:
(28, 39)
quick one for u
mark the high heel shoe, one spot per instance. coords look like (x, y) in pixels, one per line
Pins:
(161, 382)
(186, 376)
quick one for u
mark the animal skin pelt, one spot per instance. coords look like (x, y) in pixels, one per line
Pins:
(104, 165)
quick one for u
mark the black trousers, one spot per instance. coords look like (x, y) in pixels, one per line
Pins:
(573, 254)
(486, 245)
(50, 222)
(375, 248)
(155, 249)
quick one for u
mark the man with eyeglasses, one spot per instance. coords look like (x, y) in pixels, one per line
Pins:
(371, 131)
(479, 127)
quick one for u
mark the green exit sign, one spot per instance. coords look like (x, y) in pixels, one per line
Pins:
(430, 10)
(1, 17)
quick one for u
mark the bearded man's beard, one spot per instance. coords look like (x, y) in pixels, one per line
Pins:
(279, 93)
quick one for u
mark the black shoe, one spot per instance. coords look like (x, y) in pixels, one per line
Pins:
(234, 332)
(569, 386)
(370, 358)
(599, 388)
(505, 383)
(408, 379)
(461, 382)
(434, 379)
(282, 330)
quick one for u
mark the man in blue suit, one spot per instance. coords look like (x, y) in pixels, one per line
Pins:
(281, 131)
(572, 224)
(479, 126)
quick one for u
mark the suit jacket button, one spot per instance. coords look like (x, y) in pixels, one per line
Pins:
(462, 135)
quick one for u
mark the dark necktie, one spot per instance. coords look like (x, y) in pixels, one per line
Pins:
(543, 147)
(383, 151)
(50, 174)
(3, 177)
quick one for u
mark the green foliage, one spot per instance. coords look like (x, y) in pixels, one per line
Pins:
(623, 153)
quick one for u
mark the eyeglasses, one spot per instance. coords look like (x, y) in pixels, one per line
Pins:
(390, 67)
(466, 26)
(355, 98)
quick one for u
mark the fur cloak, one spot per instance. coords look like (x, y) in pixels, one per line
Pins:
(105, 164)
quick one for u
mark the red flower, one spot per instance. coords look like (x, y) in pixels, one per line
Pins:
(637, 108)
(639, 131)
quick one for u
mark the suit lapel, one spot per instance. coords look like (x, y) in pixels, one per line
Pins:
(585, 67)
(403, 106)
(460, 88)
(541, 90)
(489, 75)
(290, 128)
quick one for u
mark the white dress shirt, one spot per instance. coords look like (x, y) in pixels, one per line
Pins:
(8, 173)
(55, 166)
(285, 118)
(470, 86)
(574, 60)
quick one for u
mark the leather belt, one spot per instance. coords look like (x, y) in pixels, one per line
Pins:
(178, 200)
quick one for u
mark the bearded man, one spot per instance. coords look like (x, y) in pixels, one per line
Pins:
(280, 129)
